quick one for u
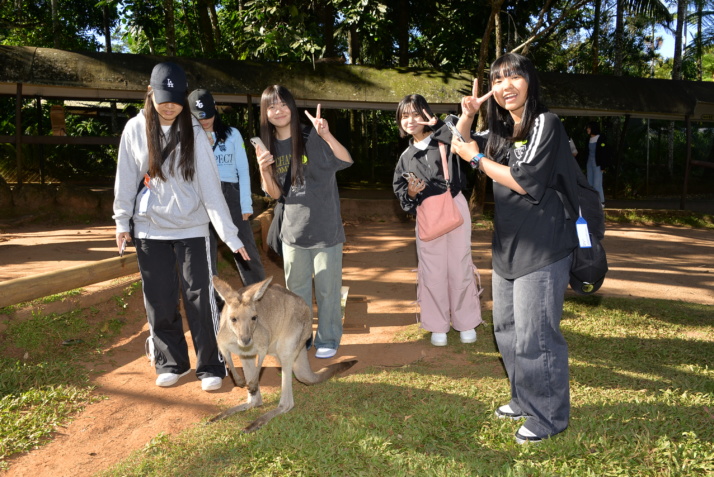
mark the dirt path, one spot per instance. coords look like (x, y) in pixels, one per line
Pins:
(661, 262)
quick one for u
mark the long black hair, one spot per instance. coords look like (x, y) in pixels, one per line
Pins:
(502, 127)
(279, 94)
(221, 129)
(418, 104)
(162, 146)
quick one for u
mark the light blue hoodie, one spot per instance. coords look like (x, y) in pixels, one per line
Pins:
(232, 163)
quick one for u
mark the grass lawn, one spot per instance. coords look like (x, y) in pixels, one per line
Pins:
(642, 395)
(642, 392)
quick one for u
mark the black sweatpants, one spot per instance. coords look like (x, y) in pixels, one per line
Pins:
(166, 267)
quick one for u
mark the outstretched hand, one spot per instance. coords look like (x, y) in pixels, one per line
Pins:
(318, 122)
(471, 104)
(243, 253)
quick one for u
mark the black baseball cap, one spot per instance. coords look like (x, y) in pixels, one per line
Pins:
(202, 104)
(168, 81)
(587, 272)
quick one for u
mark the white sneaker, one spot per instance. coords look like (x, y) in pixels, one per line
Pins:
(211, 383)
(438, 339)
(523, 435)
(325, 353)
(169, 379)
(468, 336)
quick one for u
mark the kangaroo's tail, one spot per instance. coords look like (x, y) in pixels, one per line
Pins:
(306, 375)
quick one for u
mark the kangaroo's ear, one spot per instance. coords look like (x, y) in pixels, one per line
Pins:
(262, 287)
(222, 288)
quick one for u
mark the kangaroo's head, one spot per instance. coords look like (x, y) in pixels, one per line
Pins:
(239, 312)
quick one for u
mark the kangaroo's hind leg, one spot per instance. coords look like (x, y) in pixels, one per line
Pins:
(287, 359)
(252, 376)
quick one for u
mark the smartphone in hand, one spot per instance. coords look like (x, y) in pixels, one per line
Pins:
(454, 131)
(122, 248)
(409, 176)
(256, 141)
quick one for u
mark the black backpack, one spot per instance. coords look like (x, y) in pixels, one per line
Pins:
(589, 264)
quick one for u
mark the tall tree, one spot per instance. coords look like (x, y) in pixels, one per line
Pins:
(654, 9)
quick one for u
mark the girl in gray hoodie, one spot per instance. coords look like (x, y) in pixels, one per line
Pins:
(167, 186)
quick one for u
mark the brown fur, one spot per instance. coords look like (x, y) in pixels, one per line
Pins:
(260, 320)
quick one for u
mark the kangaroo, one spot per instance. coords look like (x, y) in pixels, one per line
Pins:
(263, 319)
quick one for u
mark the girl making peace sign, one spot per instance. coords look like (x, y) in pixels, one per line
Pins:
(307, 158)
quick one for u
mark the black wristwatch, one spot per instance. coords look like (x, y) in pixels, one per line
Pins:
(475, 160)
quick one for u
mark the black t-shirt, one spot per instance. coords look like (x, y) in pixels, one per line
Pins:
(531, 230)
(312, 210)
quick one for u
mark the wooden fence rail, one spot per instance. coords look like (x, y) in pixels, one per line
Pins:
(24, 289)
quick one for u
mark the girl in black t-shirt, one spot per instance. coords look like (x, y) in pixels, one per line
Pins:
(526, 155)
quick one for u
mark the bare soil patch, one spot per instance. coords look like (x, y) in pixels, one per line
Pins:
(379, 263)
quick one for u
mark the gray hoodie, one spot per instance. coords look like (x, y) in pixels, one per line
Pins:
(175, 209)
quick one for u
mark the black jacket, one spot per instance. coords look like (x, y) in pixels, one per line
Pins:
(426, 165)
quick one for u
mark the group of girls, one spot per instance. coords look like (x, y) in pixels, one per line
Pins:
(182, 177)
(168, 184)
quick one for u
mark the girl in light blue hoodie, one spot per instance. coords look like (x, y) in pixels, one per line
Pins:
(232, 163)
(167, 184)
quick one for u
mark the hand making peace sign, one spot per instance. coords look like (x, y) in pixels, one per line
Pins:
(431, 120)
(318, 122)
(471, 104)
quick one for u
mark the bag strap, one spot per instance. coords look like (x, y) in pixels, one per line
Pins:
(444, 164)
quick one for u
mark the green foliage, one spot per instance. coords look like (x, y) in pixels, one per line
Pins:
(30, 23)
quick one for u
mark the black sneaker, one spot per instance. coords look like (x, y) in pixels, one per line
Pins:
(505, 412)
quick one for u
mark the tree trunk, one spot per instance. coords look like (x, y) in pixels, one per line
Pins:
(403, 32)
(676, 73)
(619, 36)
(205, 27)
(596, 39)
(327, 17)
(55, 24)
(498, 33)
(188, 26)
(353, 46)
(478, 195)
(699, 40)
(678, 40)
(170, 28)
(107, 29)
(214, 22)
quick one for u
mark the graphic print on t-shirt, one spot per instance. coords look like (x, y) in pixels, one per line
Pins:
(223, 159)
(520, 149)
(281, 165)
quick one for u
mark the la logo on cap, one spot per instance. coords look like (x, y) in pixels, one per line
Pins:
(169, 83)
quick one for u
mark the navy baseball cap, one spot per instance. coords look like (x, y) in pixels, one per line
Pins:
(202, 104)
(168, 81)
